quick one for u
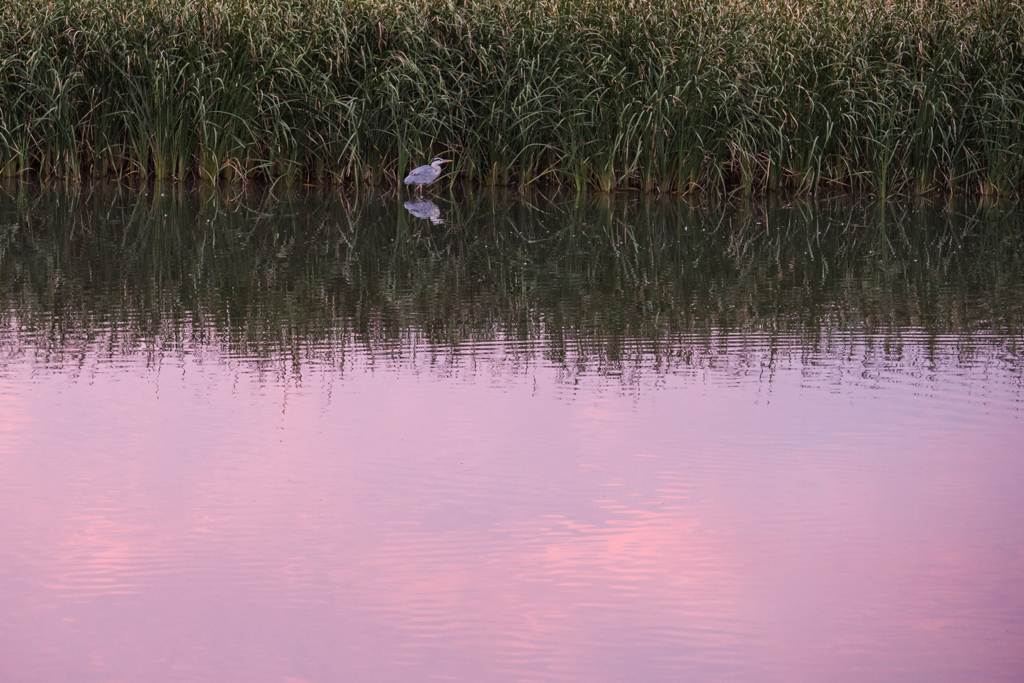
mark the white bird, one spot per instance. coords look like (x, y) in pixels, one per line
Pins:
(424, 175)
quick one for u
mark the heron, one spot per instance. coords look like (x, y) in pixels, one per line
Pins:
(424, 175)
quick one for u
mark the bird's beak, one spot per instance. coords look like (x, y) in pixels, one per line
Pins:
(446, 161)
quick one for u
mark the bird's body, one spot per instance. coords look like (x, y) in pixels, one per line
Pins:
(424, 175)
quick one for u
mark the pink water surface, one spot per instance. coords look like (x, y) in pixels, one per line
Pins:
(195, 518)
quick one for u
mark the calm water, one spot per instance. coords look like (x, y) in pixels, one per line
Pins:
(306, 437)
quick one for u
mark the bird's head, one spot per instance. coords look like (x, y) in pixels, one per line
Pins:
(438, 161)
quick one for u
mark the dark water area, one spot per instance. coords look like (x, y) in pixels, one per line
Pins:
(311, 436)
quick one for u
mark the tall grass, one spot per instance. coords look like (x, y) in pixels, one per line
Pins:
(671, 96)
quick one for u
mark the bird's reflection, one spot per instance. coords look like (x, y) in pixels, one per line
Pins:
(424, 208)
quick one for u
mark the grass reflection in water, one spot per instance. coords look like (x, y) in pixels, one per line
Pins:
(589, 283)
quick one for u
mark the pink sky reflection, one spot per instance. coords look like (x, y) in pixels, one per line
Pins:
(205, 525)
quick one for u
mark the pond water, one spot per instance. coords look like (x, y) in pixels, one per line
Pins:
(311, 437)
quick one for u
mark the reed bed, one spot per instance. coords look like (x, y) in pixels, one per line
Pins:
(906, 96)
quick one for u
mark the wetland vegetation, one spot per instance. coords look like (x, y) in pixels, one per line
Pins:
(709, 96)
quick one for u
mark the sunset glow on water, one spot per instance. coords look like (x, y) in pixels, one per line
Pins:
(722, 504)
